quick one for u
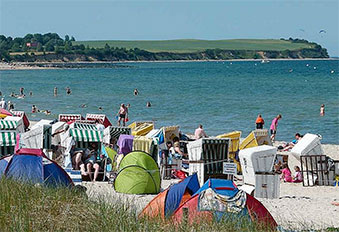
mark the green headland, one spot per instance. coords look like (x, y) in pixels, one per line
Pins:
(51, 47)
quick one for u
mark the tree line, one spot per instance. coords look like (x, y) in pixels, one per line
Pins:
(51, 47)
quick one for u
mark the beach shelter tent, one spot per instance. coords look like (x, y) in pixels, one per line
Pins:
(22, 115)
(218, 198)
(139, 174)
(166, 202)
(32, 166)
(141, 128)
(100, 117)
(7, 142)
(256, 138)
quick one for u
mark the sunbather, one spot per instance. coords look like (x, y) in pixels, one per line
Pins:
(290, 145)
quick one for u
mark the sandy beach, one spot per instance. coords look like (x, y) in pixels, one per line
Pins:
(50, 65)
(297, 207)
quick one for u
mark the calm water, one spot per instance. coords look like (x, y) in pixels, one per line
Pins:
(223, 96)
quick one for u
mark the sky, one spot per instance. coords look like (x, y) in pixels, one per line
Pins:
(164, 19)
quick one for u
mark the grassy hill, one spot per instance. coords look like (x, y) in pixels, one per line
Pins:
(193, 45)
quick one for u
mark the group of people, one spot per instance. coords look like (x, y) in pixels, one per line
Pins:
(87, 160)
(259, 122)
(7, 106)
(286, 174)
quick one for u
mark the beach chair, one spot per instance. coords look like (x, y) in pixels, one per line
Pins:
(82, 139)
(256, 138)
(141, 128)
(69, 117)
(234, 136)
(100, 117)
(7, 142)
(206, 157)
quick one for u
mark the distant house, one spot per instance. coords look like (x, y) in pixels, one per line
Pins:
(31, 45)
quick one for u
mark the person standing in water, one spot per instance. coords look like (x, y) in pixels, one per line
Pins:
(322, 110)
(68, 91)
(259, 122)
(122, 115)
(55, 91)
(274, 126)
(22, 91)
(200, 133)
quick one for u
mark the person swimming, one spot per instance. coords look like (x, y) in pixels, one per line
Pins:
(148, 104)
(136, 92)
(68, 91)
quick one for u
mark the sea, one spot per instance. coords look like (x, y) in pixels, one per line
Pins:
(223, 96)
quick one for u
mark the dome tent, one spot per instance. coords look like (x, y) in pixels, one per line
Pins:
(220, 197)
(32, 166)
(166, 202)
(139, 174)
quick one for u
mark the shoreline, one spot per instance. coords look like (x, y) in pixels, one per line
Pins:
(35, 65)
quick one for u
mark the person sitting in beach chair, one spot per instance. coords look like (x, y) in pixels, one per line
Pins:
(85, 160)
(179, 154)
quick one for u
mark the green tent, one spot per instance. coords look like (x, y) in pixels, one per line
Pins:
(139, 174)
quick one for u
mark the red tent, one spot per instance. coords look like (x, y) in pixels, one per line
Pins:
(201, 206)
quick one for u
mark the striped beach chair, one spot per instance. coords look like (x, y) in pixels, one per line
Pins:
(7, 142)
(70, 117)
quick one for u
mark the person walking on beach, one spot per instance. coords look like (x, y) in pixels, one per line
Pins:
(322, 110)
(55, 91)
(259, 122)
(122, 115)
(274, 126)
(200, 133)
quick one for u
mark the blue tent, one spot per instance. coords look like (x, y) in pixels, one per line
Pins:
(220, 186)
(32, 166)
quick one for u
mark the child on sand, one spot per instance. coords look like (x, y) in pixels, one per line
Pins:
(297, 178)
(286, 175)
